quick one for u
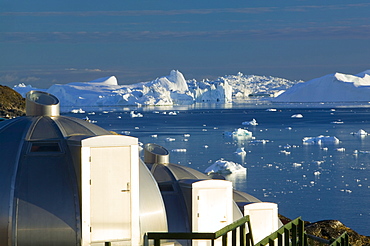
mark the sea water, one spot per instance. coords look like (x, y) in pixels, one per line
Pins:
(317, 181)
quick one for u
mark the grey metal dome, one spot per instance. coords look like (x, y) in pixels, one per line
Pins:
(41, 172)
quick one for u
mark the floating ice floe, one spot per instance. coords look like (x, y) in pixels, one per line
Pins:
(297, 164)
(170, 139)
(178, 150)
(262, 141)
(225, 167)
(360, 132)
(239, 133)
(271, 110)
(285, 152)
(250, 123)
(320, 140)
(240, 151)
(337, 122)
(134, 115)
(186, 135)
(340, 149)
(317, 173)
(78, 111)
(154, 136)
(297, 116)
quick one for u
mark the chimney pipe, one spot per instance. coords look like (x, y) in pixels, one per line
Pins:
(40, 103)
(155, 154)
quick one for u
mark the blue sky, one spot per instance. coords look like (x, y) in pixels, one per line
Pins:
(48, 42)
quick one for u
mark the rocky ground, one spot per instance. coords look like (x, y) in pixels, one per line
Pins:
(331, 230)
(12, 104)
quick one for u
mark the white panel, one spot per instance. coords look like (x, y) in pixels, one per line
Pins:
(263, 217)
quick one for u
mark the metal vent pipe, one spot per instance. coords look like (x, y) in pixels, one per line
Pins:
(40, 103)
(155, 154)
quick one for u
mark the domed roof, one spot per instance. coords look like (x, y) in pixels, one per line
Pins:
(39, 194)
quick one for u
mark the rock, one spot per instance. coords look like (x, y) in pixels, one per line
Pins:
(332, 229)
(12, 104)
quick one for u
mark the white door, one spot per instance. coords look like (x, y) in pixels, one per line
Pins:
(110, 211)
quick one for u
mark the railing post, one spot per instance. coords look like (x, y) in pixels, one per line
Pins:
(224, 240)
(233, 237)
(286, 236)
(242, 236)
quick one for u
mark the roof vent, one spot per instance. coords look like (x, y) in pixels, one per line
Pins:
(155, 154)
(40, 103)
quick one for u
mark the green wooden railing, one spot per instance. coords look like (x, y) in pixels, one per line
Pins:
(237, 230)
(291, 234)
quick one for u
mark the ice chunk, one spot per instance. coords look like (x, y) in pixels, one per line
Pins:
(225, 167)
(297, 116)
(250, 123)
(78, 111)
(271, 110)
(134, 115)
(240, 151)
(170, 139)
(239, 133)
(320, 140)
(360, 132)
(178, 150)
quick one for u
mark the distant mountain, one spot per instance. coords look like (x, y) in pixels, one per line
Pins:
(337, 87)
(167, 90)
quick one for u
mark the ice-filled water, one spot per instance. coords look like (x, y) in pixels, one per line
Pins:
(318, 181)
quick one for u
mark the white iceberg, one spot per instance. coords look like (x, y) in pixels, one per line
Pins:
(297, 116)
(240, 151)
(239, 133)
(360, 132)
(135, 115)
(320, 140)
(250, 123)
(337, 87)
(225, 167)
(77, 111)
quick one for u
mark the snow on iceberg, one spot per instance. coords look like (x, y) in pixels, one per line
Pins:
(320, 140)
(337, 87)
(225, 167)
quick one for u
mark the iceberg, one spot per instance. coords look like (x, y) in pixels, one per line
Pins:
(169, 90)
(240, 151)
(225, 167)
(250, 123)
(336, 87)
(320, 140)
(360, 132)
(239, 133)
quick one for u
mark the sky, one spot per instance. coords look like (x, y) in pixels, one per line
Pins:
(56, 42)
